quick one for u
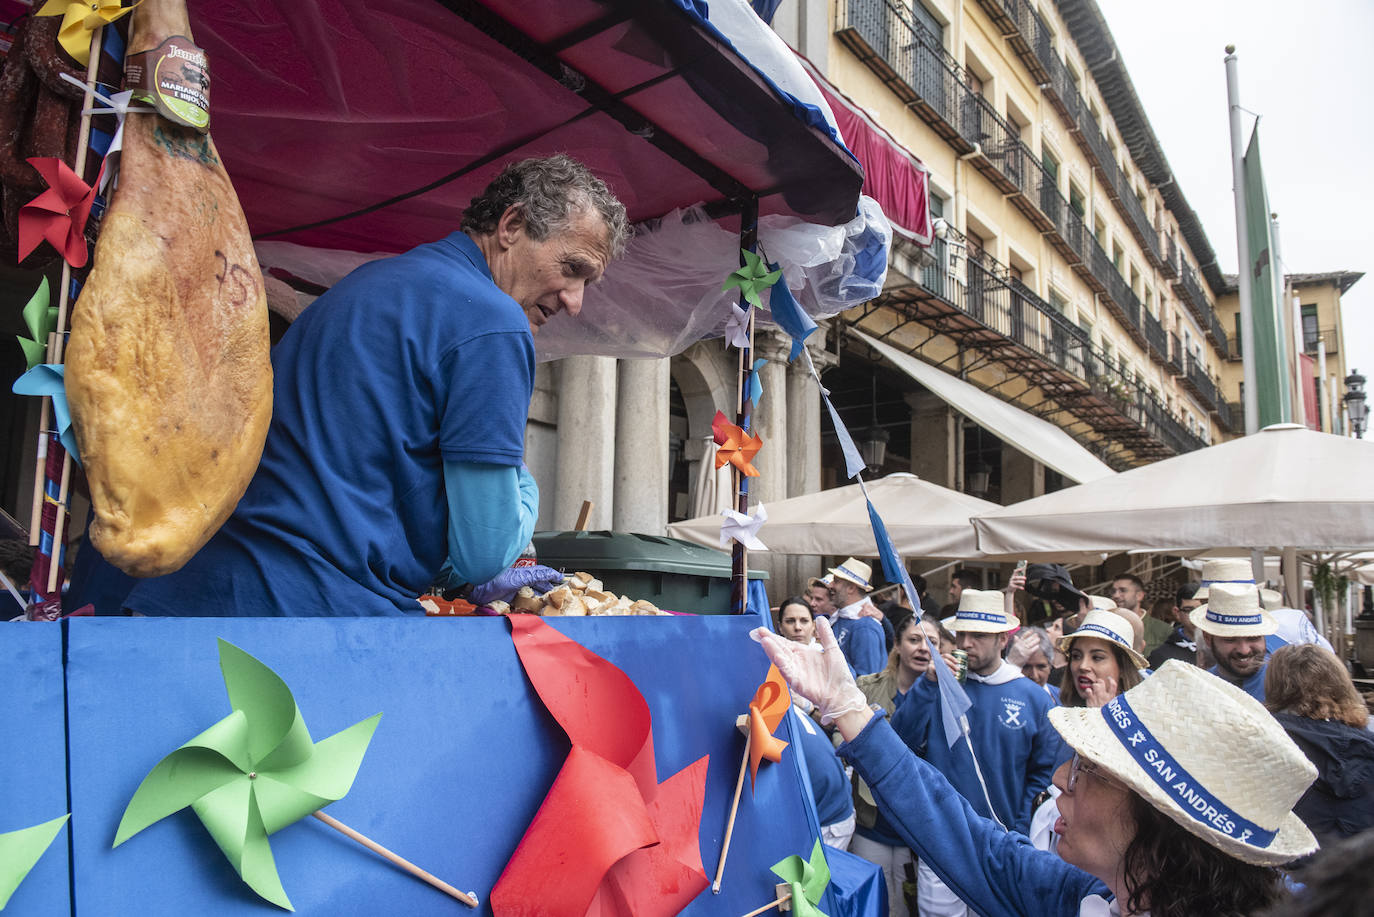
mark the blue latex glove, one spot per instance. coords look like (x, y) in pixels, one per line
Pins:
(503, 586)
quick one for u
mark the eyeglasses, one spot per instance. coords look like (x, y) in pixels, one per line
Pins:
(1079, 766)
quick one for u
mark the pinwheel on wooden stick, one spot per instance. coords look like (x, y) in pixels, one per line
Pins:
(255, 772)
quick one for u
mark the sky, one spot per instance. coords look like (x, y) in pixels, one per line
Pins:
(1306, 69)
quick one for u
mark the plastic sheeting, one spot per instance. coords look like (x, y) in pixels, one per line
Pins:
(665, 293)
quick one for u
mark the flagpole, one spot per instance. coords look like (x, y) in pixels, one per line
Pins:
(1244, 264)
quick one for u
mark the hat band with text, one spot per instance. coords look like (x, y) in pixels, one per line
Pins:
(1108, 633)
(1234, 620)
(980, 616)
(1176, 782)
(1229, 582)
(850, 573)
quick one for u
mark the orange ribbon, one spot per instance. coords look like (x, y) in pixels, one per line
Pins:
(766, 711)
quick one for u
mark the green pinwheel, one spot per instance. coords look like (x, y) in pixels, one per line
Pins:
(252, 773)
(753, 278)
(807, 879)
(40, 316)
(20, 851)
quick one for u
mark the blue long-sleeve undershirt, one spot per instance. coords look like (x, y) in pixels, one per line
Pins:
(491, 515)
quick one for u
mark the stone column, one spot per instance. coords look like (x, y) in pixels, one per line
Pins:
(1022, 476)
(641, 447)
(586, 440)
(770, 422)
(934, 440)
(935, 450)
(804, 432)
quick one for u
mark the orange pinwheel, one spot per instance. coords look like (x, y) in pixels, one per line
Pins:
(766, 711)
(737, 446)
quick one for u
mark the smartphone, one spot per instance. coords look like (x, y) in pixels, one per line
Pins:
(1020, 566)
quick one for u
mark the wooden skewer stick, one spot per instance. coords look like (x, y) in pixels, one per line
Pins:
(730, 825)
(777, 902)
(468, 898)
(58, 345)
(584, 516)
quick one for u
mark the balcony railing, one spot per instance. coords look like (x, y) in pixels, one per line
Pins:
(1171, 258)
(1195, 377)
(1155, 336)
(1229, 420)
(1175, 361)
(1190, 291)
(1217, 334)
(1310, 340)
(985, 291)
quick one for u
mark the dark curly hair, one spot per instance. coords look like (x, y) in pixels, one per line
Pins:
(1172, 872)
(549, 192)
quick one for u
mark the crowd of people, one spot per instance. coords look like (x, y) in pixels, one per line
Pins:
(1186, 756)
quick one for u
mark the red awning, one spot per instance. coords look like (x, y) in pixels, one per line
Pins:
(893, 176)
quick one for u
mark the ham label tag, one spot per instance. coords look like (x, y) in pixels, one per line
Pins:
(173, 78)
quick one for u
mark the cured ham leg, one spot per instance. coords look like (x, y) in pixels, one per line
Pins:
(168, 374)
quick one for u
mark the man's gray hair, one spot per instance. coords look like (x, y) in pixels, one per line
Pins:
(550, 192)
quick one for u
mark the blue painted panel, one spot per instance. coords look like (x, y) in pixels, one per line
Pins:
(33, 758)
(459, 764)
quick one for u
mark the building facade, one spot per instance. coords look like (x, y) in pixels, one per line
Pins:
(1314, 315)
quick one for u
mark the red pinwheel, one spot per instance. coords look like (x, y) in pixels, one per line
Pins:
(58, 214)
(609, 840)
(737, 446)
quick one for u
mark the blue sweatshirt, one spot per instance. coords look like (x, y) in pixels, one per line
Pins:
(999, 874)
(861, 641)
(1009, 724)
(828, 781)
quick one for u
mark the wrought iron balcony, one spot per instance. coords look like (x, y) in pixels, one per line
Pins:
(1190, 291)
(1169, 268)
(1229, 420)
(1310, 340)
(1196, 380)
(1217, 334)
(1175, 360)
(1155, 336)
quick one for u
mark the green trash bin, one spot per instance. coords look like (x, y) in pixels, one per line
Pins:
(675, 575)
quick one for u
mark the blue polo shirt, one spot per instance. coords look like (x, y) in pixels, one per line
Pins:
(405, 364)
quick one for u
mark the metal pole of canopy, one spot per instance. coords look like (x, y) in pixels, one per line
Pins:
(739, 555)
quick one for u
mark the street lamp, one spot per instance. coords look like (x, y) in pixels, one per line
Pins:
(873, 449)
(1354, 402)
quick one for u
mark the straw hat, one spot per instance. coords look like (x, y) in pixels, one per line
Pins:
(823, 581)
(1224, 570)
(982, 612)
(856, 572)
(1234, 610)
(1220, 765)
(1106, 624)
(1271, 599)
(1101, 603)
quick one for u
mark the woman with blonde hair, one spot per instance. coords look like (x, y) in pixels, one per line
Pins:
(1311, 695)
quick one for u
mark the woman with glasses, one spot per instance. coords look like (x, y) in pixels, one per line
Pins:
(1178, 800)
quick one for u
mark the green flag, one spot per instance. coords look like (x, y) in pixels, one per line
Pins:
(1266, 294)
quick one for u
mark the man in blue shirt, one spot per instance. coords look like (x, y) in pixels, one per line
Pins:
(859, 635)
(400, 401)
(1009, 728)
(1234, 624)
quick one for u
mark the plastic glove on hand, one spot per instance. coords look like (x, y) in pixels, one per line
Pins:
(503, 586)
(817, 671)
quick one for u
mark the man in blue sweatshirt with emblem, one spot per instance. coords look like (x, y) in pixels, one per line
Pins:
(1016, 747)
(859, 635)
